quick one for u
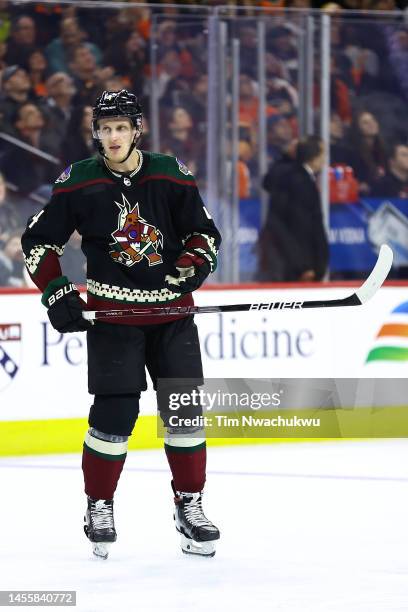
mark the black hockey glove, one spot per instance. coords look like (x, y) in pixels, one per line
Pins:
(192, 270)
(65, 307)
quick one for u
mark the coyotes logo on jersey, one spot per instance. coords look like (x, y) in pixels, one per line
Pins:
(135, 238)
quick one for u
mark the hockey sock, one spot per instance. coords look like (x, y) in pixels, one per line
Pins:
(103, 459)
(187, 458)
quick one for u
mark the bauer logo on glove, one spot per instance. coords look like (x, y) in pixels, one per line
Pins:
(60, 293)
(192, 270)
(65, 306)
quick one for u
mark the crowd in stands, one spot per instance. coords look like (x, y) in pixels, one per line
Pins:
(56, 59)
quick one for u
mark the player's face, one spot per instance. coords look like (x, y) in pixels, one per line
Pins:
(116, 136)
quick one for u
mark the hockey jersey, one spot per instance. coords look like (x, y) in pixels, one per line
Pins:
(133, 227)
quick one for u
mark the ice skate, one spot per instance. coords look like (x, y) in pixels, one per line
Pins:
(100, 526)
(198, 534)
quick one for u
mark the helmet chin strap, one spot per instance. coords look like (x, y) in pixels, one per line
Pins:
(131, 148)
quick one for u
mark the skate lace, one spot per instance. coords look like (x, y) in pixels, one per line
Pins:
(193, 511)
(102, 515)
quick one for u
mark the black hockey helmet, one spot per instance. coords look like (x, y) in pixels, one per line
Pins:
(117, 104)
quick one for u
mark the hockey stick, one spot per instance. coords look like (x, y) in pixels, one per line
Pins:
(361, 296)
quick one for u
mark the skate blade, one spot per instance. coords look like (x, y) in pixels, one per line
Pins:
(100, 549)
(192, 547)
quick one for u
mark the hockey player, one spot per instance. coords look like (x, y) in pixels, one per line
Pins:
(148, 240)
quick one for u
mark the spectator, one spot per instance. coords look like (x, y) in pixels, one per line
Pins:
(245, 156)
(114, 83)
(23, 40)
(372, 37)
(31, 126)
(249, 51)
(394, 184)
(170, 83)
(58, 105)
(281, 43)
(37, 67)
(398, 47)
(94, 25)
(282, 96)
(182, 141)
(293, 244)
(12, 261)
(10, 220)
(195, 101)
(25, 169)
(274, 67)
(340, 152)
(128, 58)
(167, 35)
(16, 91)
(340, 100)
(249, 101)
(60, 50)
(340, 93)
(117, 27)
(78, 143)
(369, 150)
(194, 51)
(143, 20)
(279, 137)
(364, 62)
(87, 77)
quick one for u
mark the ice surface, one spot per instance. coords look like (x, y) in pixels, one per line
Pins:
(306, 527)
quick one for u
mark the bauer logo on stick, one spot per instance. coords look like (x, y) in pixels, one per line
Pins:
(10, 344)
(276, 306)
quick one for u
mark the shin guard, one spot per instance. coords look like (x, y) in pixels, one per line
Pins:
(187, 457)
(103, 459)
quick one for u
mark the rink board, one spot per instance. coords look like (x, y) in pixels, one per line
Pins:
(43, 374)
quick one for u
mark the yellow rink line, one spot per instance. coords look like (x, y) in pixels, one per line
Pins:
(67, 435)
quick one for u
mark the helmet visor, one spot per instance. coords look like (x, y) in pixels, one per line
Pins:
(116, 126)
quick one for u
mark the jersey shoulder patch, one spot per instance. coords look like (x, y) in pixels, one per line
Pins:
(173, 168)
(183, 168)
(78, 173)
(64, 176)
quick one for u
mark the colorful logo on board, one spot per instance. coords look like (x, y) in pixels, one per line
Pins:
(10, 341)
(391, 343)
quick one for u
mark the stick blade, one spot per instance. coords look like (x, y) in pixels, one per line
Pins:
(378, 275)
